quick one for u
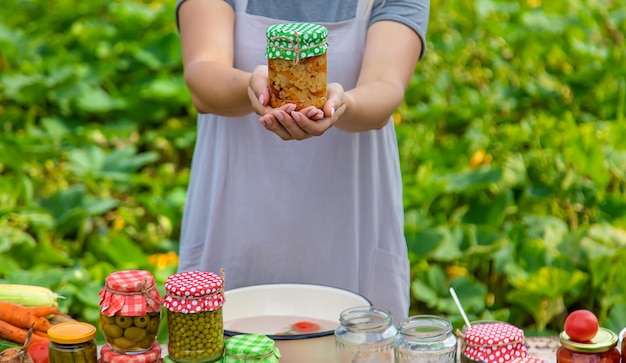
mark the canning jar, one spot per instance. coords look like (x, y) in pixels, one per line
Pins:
(425, 339)
(602, 348)
(489, 341)
(72, 342)
(250, 348)
(195, 322)
(365, 334)
(130, 311)
(297, 71)
(153, 355)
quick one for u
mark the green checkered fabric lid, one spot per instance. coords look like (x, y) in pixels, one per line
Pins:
(294, 41)
(256, 348)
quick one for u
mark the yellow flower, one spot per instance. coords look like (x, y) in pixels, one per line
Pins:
(397, 118)
(534, 3)
(479, 158)
(163, 260)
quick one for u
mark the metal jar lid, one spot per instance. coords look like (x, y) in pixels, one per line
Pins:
(604, 340)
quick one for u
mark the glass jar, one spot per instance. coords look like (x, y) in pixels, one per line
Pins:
(253, 348)
(365, 334)
(425, 339)
(130, 311)
(153, 355)
(195, 322)
(602, 348)
(72, 342)
(488, 341)
(297, 71)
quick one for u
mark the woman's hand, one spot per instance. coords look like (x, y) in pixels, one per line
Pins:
(290, 124)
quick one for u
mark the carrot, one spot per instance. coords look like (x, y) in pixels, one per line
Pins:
(18, 335)
(43, 311)
(22, 317)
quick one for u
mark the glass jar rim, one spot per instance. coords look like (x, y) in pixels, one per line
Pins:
(365, 318)
(426, 327)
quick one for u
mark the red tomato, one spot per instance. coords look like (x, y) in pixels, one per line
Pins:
(581, 325)
(305, 327)
(38, 352)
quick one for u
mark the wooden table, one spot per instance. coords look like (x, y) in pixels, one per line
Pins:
(543, 347)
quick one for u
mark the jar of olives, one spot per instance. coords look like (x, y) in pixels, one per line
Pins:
(130, 311)
(252, 348)
(153, 355)
(72, 342)
(602, 348)
(193, 302)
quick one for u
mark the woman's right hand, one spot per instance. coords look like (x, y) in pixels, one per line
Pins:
(258, 90)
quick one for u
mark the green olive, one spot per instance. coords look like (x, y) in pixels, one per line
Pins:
(112, 331)
(107, 319)
(141, 321)
(153, 325)
(134, 334)
(123, 321)
(122, 343)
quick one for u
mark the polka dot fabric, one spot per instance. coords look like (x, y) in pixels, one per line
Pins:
(494, 343)
(193, 292)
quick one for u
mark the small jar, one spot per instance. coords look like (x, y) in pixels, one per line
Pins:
(195, 322)
(425, 339)
(365, 334)
(492, 342)
(297, 70)
(130, 311)
(72, 342)
(153, 355)
(250, 348)
(602, 348)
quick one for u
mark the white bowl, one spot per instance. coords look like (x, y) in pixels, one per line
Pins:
(274, 305)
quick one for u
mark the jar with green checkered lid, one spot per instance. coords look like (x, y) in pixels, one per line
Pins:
(195, 323)
(252, 348)
(296, 55)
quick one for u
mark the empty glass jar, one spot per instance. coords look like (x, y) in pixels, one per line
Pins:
(365, 335)
(425, 339)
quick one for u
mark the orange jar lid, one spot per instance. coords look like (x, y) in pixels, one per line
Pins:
(73, 332)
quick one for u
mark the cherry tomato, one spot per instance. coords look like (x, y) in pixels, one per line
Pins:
(305, 327)
(38, 352)
(581, 325)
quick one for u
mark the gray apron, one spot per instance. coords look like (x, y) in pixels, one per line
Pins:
(327, 210)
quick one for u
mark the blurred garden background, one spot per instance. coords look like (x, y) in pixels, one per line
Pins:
(512, 142)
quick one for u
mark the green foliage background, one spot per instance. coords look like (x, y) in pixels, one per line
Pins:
(511, 143)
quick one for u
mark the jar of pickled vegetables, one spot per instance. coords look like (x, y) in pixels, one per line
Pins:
(489, 341)
(193, 302)
(365, 334)
(72, 342)
(153, 355)
(250, 348)
(602, 348)
(297, 72)
(130, 311)
(425, 339)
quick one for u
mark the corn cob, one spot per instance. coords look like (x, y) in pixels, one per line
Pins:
(28, 295)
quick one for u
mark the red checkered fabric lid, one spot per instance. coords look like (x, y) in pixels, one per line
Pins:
(193, 291)
(130, 293)
(108, 355)
(494, 342)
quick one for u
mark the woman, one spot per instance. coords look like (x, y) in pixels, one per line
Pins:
(314, 196)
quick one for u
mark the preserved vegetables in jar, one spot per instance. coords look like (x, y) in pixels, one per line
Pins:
(72, 342)
(250, 348)
(601, 349)
(365, 334)
(297, 69)
(425, 339)
(195, 322)
(130, 311)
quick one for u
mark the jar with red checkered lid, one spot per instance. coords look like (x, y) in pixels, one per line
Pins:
(193, 302)
(153, 355)
(130, 311)
(492, 342)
